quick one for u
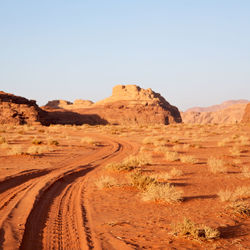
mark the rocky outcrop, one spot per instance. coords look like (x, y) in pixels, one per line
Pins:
(246, 116)
(229, 115)
(131, 105)
(19, 110)
(62, 104)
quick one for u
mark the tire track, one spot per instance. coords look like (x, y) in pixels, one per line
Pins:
(47, 209)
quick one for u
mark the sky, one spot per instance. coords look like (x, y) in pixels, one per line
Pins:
(192, 52)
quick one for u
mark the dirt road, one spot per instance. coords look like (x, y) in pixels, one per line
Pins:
(47, 209)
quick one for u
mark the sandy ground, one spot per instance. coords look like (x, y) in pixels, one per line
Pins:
(50, 197)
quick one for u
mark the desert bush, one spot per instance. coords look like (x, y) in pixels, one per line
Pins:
(216, 165)
(246, 171)
(88, 140)
(171, 156)
(235, 151)
(223, 142)
(105, 182)
(37, 150)
(37, 141)
(141, 181)
(188, 159)
(243, 140)
(129, 163)
(188, 228)
(161, 176)
(15, 150)
(162, 192)
(53, 142)
(238, 194)
(2, 140)
(148, 140)
(240, 208)
(175, 172)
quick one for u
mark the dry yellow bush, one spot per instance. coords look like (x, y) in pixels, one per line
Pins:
(171, 156)
(105, 182)
(216, 165)
(188, 159)
(188, 228)
(162, 192)
(246, 171)
(234, 195)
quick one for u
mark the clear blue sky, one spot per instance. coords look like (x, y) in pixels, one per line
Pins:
(193, 52)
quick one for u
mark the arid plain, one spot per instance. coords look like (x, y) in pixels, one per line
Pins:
(125, 186)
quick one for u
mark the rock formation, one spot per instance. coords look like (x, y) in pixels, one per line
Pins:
(19, 110)
(57, 104)
(228, 112)
(246, 116)
(130, 104)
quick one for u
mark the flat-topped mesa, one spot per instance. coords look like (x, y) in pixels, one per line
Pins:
(63, 104)
(19, 110)
(246, 116)
(130, 104)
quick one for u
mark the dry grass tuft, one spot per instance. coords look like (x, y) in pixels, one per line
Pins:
(240, 208)
(238, 194)
(246, 171)
(171, 156)
(130, 163)
(141, 181)
(175, 172)
(216, 165)
(2, 140)
(106, 182)
(162, 192)
(188, 159)
(188, 228)
(88, 140)
(235, 151)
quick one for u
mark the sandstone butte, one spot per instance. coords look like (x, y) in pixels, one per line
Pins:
(246, 116)
(228, 112)
(19, 110)
(128, 105)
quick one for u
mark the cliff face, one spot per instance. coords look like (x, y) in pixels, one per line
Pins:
(19, 110)
(130, 104)
(246, 116)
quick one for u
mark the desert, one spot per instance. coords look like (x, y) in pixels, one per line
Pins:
(122, 173)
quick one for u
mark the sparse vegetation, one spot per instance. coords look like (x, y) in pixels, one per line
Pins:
(188, 159)
(238, 194)
(171, 156)
(216, 165)
(141, 181)
(189, 229)
(106, 182)
(162, 192)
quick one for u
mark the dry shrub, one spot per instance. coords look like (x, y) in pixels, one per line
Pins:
(37, 141)
(141, 181)
(162, 192)
(161, 176)
(246, 171)
(37, 150)
(238, 194)
(53, 142)
(188, 228)
(240, 208)
(148, 140)
(216, 165)
(106, 182)
(243, 140)
(2, 140)
(130, 163)
(223, 142)
(188, 159)
(16, 150)
(175, 172)
(88, 140)
(235, 151)
(171, 156)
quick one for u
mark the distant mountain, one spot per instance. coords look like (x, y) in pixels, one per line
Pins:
(217, 107)
(228, 112)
